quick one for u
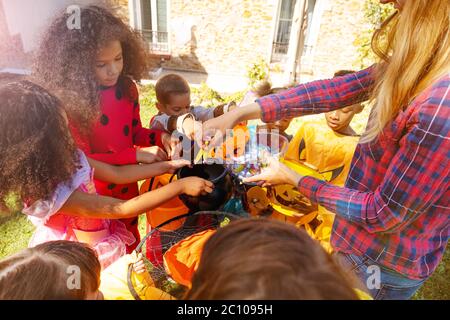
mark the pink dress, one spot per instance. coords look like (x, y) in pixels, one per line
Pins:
(109, 238)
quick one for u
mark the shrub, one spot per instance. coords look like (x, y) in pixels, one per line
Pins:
(374, 13)
(205, 96)
(257, 71)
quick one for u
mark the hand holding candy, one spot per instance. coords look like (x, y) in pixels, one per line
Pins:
(276, 173)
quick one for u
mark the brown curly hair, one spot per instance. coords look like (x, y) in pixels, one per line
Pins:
(37, 150)
(66, 58)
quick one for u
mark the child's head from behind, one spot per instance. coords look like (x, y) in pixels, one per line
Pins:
(173, 94)
(36, 147)
(56, 270)
(81, 60)
(339, 120)
(266, 259)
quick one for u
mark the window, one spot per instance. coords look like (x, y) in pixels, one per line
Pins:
(283, 30)
(152, 21)
(311, 28)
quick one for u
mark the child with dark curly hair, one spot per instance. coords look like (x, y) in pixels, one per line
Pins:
(43, 174)
(92, 69)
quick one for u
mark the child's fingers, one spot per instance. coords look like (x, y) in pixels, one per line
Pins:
(139, 269)
(161, 155)
(180, 163)
(139, 265)
(176, 148)
(209, 184)
(208, 190)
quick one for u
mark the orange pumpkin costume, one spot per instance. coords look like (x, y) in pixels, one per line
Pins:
(182, 259)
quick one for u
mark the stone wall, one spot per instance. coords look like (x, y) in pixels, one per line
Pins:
(222, 36)
(341, 23)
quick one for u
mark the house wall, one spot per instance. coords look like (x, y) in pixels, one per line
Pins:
(214, 36)
(220, 36)
(341, 22)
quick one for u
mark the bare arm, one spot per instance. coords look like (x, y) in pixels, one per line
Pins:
(102, 207)
(132, 173)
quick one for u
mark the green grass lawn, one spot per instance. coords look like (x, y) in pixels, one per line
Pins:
(16, 230)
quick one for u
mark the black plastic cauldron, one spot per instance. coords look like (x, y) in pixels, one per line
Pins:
(223, 186)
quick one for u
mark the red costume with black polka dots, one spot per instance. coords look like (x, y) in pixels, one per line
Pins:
(115, 137)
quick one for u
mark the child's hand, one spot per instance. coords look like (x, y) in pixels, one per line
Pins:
(172, 145)
(174, 165)
(195, 186)
(139, 266)
(193, 130)
(150, 155)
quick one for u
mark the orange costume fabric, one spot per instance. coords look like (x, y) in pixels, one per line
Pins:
(182, 259)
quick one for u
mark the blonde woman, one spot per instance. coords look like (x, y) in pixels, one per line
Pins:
(393, 215)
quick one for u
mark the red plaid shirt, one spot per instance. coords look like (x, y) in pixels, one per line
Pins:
(394, 207)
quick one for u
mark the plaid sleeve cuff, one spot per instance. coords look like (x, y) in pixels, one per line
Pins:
(270, 108)
(309, 187)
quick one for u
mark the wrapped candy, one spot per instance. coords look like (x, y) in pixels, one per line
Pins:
(258, 150)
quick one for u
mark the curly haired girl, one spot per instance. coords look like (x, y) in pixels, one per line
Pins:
(43, 174)
(92, 69)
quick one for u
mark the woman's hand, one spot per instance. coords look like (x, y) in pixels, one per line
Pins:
(150, 155)
(195, 186)
(274, 174)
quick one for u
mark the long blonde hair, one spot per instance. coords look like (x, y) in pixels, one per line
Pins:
(414, 48)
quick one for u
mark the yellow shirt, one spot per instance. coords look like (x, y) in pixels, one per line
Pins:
(330, 153)
(114, 284)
